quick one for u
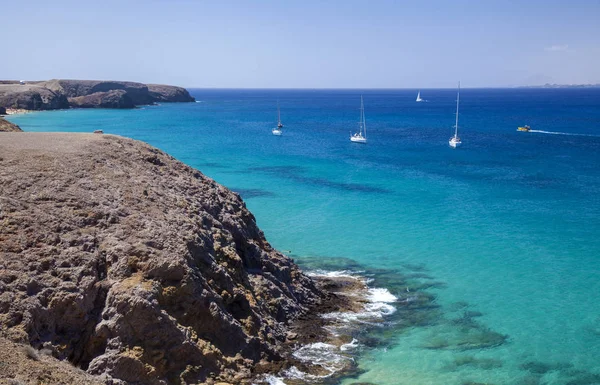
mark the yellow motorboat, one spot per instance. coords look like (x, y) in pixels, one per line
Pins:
(524, 128)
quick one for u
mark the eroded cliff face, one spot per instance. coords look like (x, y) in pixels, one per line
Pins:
(136, 92)
(124, 261)
(164, 93)
(108, 99)
(31, 97)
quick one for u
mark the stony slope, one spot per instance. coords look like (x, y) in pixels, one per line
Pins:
(126, 262)
(21, 364)
(6, 126)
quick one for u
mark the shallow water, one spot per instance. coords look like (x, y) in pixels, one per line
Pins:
(504, 232)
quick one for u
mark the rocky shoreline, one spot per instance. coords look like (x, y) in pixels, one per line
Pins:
(6, 126)
(312, 331)
(65, 93)
(138, 269)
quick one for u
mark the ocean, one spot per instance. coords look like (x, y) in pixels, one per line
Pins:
(491, 251)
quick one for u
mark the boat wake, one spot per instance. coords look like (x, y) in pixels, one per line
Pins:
(563, 133)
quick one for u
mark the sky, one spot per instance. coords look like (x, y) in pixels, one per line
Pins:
(304, 44)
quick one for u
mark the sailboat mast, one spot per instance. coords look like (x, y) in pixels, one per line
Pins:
(361, 123)
(278, 113)
(457, 101)
(364, 121)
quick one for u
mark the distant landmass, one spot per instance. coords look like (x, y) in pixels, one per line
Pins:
(62, 93)
(548, 85)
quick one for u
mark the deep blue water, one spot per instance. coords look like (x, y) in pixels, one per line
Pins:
(509, 222)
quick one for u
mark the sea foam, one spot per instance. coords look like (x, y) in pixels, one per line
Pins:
(378, 303)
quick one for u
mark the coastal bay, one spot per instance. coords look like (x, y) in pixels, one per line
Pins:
(132, 266)
(489, 251)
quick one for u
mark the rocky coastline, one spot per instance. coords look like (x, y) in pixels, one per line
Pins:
(65, 93)
(6, 126)
(126, 266)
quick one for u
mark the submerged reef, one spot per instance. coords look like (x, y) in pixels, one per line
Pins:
(454, 327)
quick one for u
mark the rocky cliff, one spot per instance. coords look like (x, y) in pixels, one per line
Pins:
(130, 264)
(61, 93)
(163, 93)
(108, 99)
(31, 97)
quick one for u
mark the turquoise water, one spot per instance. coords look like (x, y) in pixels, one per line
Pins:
(509, 223)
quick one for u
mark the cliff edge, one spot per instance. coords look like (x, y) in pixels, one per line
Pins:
(130, 264)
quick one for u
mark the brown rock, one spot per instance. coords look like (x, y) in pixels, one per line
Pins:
(6, 126)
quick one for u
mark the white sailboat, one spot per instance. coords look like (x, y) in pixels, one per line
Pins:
(455, 140)
(361, 135)
(277, 131)
(419, 97)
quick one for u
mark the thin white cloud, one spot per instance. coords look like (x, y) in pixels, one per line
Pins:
(557, 47)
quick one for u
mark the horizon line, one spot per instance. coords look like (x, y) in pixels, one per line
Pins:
(551, 86)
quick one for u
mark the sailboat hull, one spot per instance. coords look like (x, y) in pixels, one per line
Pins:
(454, 143)
(359, 137)
(277, 132)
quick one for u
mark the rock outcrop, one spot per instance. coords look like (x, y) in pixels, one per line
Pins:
(163, 93)
(136, 92)
(31, 97)
(6, 126)
(109, 99)
(130, 264)
(61, 93)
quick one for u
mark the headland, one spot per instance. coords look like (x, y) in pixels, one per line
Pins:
(120, 264)
(66, 93)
